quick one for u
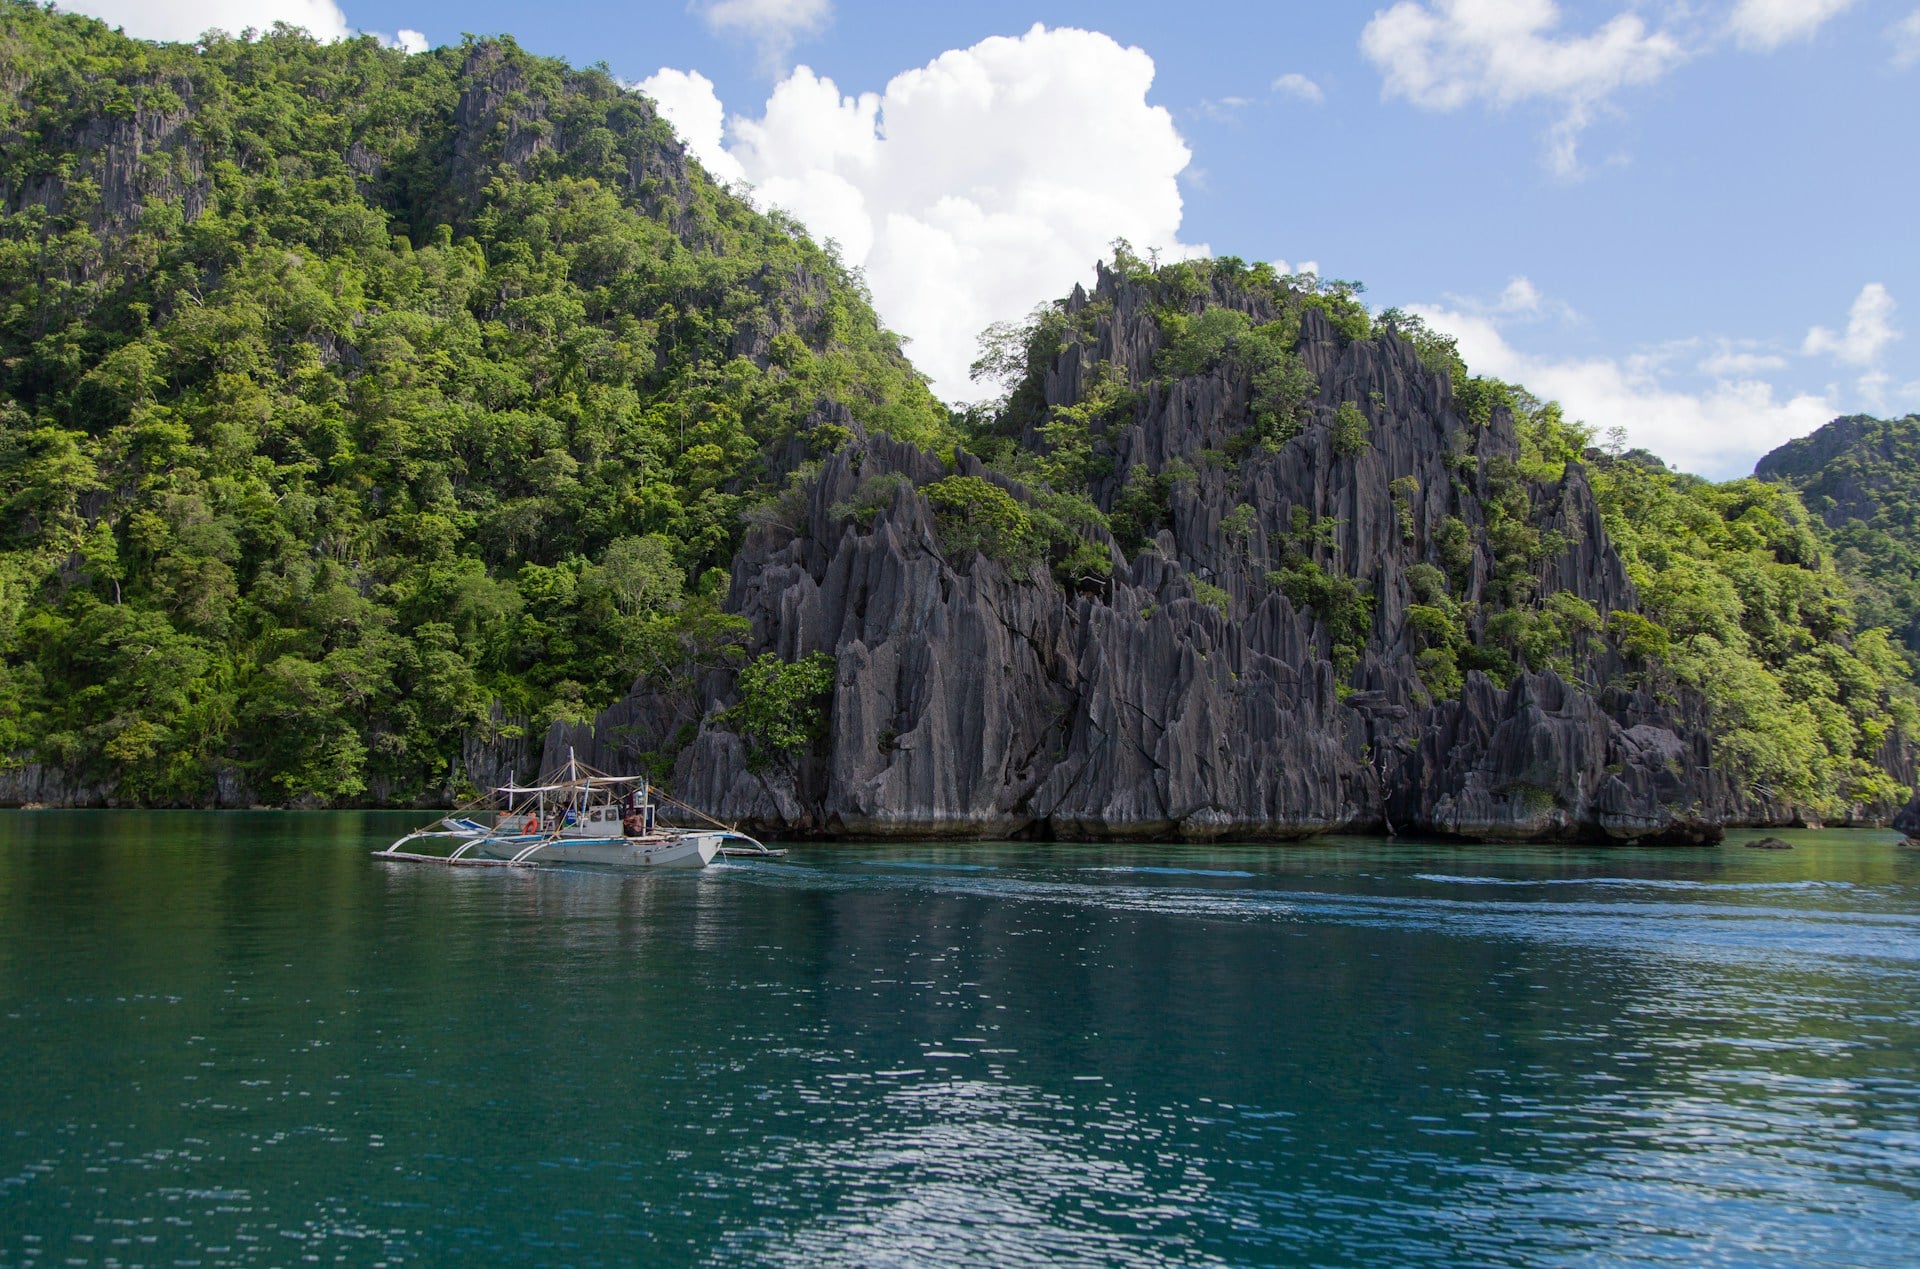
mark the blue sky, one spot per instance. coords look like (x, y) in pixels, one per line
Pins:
(1692, 220)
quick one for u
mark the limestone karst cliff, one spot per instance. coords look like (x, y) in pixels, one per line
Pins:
(1187, 694)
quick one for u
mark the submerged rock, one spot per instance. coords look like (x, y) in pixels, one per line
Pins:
(1769, 843)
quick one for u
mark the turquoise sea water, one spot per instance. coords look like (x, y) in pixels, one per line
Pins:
(236, 1039)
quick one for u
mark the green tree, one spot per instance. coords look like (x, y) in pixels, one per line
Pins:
(977, 516)
(783, 704)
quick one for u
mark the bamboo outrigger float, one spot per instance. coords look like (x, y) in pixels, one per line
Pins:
(577, 815)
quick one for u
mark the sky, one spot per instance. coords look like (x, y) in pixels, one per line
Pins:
(1691, 219)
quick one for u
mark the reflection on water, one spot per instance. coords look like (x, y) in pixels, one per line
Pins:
(236, 1039)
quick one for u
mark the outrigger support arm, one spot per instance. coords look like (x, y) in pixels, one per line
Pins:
(542, 844)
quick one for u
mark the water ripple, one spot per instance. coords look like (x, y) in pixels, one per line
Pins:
(233, 1040)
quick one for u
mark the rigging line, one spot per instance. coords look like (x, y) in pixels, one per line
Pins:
(668, 797)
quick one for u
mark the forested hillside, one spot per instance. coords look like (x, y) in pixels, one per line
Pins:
(368, 422)
(1861, 476)
(353, 402)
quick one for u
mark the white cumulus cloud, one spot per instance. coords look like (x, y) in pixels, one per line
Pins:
(1448, 54)
(1299, 86)
(1869, 329)
(1906, 40)
(1521, 296)
(187, 20)
(971, 188)
(408, 42)
(1519, 301)
(774, 26)
(1767, 24)
(184, 21)
(1719, 431)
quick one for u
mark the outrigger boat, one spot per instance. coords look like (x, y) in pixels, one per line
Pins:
(575, 816)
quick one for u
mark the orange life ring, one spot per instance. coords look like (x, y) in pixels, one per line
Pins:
(531, 826)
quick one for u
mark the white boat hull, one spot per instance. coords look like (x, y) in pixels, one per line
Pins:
(693, 850)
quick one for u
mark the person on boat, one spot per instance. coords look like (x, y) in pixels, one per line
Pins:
(635, 822)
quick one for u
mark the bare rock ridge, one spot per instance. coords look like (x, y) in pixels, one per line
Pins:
(973, 699)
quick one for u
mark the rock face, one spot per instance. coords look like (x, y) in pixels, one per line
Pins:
(971, 700)
(36, 784)
(144, 156)
(505, 120)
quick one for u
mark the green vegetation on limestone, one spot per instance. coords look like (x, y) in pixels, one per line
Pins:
(1861, 477)
(783, 704)
(1738, 596)
(352, 402)
(1739, 599)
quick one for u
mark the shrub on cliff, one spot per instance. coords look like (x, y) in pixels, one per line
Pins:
(783, 704)
(976, 515)
(1349, 430)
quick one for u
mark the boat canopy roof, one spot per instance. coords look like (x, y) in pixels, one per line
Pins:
(575, 778)
(571, 777)
(569, 786)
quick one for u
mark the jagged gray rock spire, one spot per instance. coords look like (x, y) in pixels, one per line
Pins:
(969, 701)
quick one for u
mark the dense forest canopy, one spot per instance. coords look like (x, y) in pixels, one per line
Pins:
(1861, 476)
(350, 399)
(356, 405)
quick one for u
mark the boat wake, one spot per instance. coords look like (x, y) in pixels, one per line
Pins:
(1637, 883)
(1694, 929)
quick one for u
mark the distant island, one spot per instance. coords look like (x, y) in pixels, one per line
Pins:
(374, 426)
